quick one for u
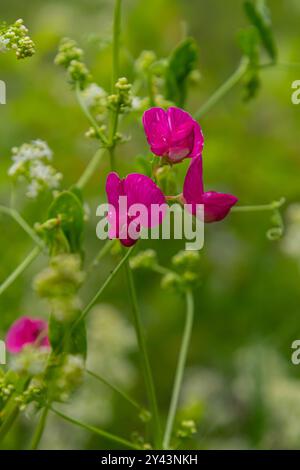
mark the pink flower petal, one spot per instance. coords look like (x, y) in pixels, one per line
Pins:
(173, 133)
(157, 130)
(141, 189)
(198, 141)
(113, 188)
(217, 205)
(27, 330)
(193, 184)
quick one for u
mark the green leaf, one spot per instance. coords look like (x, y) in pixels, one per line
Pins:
(248, 40)
(65, 339)
(68, 208)
(252, 85)
(259, 16)
(182, 62)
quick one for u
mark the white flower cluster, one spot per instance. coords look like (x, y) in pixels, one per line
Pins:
(15, 37)
(31, 163)
(95, 99)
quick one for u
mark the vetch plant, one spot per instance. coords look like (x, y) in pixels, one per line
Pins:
(49, 357)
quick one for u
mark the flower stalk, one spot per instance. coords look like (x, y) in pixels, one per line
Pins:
(100, 432)
(40, 428)
(180, 369)
(224, 89)
(144, 357)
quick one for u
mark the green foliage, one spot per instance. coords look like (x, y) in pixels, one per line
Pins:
(67, 339)
(251, 39)
(259, 16)
(68, 209)
(182, 62)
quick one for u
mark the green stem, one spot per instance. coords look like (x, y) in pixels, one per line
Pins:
(40, 429)
(112, 158)
(180, 369)
(23, 224)
(144, 357)
(102, 288)
(99, 432)
(5, 427)
(113, 130)
(90, 169)
(224, 89)
(150, 89)
(117, 390)
(103, 251)
(89, 116)
(20, 269)
(260, 208)
(116, 42)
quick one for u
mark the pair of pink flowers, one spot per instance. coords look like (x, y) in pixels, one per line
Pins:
(174, 135)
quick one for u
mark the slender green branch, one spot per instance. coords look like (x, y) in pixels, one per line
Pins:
(180, 369)
(144, 357)
(103, 287)
(99, 432)
(260, 208)
(117, 390)
(40, 428)
(23, 224)
(9, 421)
(116, 42)
(89, 116)
(150, 89)
(90, 169)
(114, 121)
(103, 251)
(224, 89)
(114, 117)
(20, 269)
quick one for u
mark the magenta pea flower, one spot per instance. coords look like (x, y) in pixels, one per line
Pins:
(25, 331)
(133, 201)
(216, 205)
(173, 134)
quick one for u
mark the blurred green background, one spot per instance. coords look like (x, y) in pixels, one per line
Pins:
(240, 385)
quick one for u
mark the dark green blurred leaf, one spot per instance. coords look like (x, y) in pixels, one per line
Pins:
(68, 208)
(182, 62)
(249, 43)
(65, 339)
(252, 85)
(259, 16)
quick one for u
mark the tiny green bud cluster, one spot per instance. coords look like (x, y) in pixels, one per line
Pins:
(121, 101)
(6, 389)
(70, 57)
(35, 393)
(187, 263)
(31, 361)
(15, 37)
(144, 260)
(66, 376)
(59, 283)
(187, 429)
(144, 61)
(186, 260)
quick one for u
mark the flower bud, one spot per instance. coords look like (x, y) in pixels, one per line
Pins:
(145, 259)
(186, 260)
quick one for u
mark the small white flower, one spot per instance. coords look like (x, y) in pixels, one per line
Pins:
(94, 96)
(31, 162)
